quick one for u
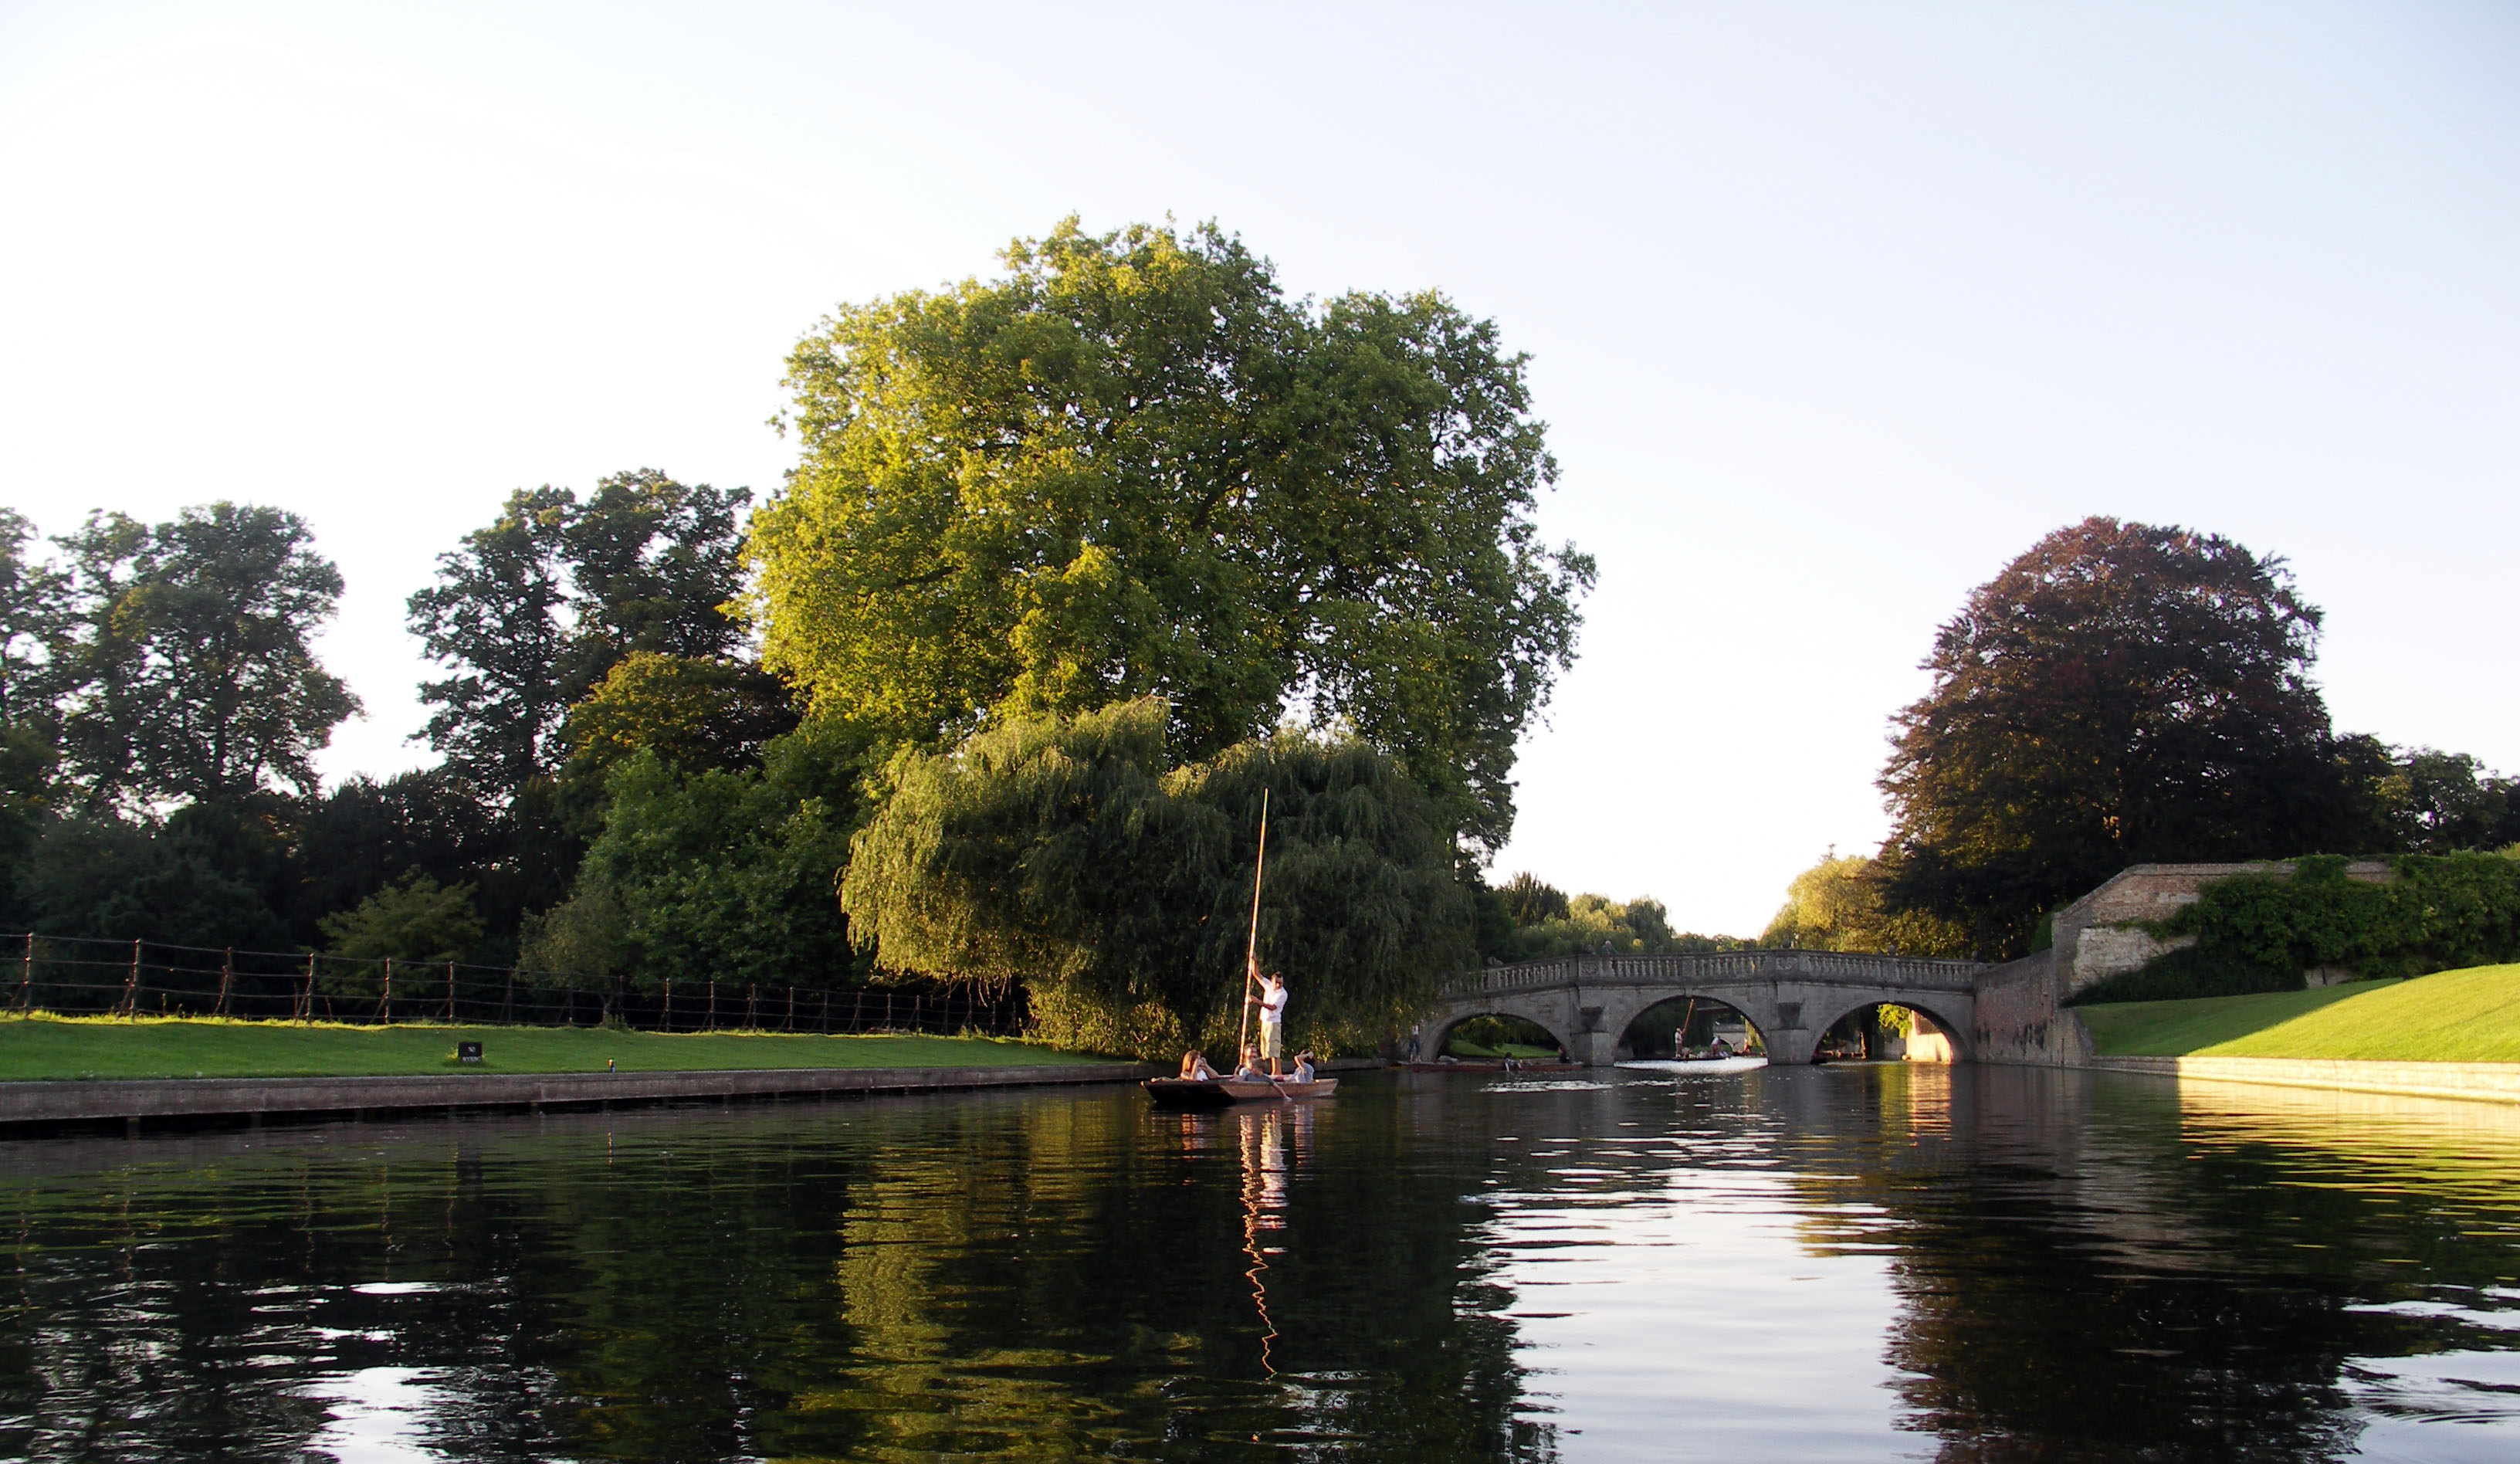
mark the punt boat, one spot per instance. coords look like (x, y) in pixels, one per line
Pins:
(1223, 1092)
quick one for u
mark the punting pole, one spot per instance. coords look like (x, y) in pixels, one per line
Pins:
(1252, 950)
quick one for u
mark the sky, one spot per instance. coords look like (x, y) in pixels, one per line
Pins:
(1832, 309)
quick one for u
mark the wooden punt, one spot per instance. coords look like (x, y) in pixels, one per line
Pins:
(1223, 1092)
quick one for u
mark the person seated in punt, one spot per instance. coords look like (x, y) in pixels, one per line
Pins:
(1303, 1067)
(1195, 1066)
(1250, 1071)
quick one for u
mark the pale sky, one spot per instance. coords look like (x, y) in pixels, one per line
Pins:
(1832, 308)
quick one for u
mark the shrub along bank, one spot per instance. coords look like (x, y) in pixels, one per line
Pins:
(2470, 1016)
(2261, 933)
(48, 1047)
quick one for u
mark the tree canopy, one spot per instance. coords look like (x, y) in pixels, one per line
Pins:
(1076, 855)
(1131, 467)
(189, 667)
(1838, 905)
(533, 610)
(2120, 694)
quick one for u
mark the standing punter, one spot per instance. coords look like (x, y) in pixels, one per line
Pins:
(1273, 1020)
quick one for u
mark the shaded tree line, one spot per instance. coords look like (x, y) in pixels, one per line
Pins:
(163, 701)
(1075, 563)
(2124, 694)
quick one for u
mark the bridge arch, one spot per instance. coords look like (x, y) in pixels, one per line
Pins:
(1437, 1035)
(1651, 1033)
(1952, 1033)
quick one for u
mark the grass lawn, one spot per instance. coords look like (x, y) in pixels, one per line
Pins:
(2470, 1016)
(102, 1048)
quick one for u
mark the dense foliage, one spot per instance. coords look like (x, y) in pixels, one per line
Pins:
(1075, 854)
(2262, 931)
(1839, 904)
(727, 874)
(1536, 920)
(534, 610)
(2121, 694)
(1132, 467)
(184, 667)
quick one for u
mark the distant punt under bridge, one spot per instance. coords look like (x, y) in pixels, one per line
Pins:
(1789, 997)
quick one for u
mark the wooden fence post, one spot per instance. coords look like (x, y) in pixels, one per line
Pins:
(791, 1009)
(384, 1003)
(712, 1011)
(665, 1018)
(131, 983)
(227, 974)
(26, 982)
(508, 1004)
(307, 1014)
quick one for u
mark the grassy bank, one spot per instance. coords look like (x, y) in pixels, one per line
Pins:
(2470, 1016)
(48, 1047)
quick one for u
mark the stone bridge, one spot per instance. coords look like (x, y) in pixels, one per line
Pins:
(1791, 997)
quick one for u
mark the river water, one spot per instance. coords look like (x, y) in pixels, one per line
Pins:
(1845, 1263)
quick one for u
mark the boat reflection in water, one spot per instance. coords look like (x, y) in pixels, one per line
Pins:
(1856, 1261)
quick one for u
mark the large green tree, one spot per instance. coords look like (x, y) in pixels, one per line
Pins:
(1076, 855)
(190, 669)
(1130, 467)
(2120, 694)
(533, 611)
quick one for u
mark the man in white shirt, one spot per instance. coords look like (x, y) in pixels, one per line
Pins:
(1273, 1020)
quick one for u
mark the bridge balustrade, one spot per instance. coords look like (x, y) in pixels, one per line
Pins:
(1586, 1001)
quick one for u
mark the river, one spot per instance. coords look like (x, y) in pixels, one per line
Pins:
(1845, 1263)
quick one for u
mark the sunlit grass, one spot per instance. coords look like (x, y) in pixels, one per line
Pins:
(2470, 1016)
(45, 1046)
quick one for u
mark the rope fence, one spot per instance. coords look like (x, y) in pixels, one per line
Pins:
(73, 976)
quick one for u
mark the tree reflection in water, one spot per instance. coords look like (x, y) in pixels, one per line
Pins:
(1849, 1262)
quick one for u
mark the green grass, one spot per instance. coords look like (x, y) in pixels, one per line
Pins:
(2470, 1016)
(42, 1047)
(1514, 1050)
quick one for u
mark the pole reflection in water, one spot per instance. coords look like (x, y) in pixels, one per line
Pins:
(1858, 1263)
(1264, 1131)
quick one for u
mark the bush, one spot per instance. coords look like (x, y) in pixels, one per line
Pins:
(2262, 932)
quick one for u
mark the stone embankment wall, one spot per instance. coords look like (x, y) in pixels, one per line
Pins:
(2021, 1012)
(2102, 935)
(2022, 1017)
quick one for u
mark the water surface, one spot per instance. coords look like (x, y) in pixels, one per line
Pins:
(1848, 1262)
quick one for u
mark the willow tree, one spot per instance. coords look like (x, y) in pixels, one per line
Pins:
(1132, 467)
(1073, 854)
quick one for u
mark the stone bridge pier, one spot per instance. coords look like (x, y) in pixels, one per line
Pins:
(1790, 998)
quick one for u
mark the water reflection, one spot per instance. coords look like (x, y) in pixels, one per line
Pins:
(1265, 1134)
(1847, 1262)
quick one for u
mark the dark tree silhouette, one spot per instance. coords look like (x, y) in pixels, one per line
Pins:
(2120, 694)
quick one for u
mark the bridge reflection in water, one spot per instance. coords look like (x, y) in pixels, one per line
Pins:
(1790, 998)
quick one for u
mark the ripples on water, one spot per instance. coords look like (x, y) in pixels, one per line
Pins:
(1851, 1263)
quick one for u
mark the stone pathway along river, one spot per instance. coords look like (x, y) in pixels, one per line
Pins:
(1847, 1262)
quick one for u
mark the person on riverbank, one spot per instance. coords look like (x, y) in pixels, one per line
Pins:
(1195, 1066)
(1416, 1033)
(1273, 1020)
